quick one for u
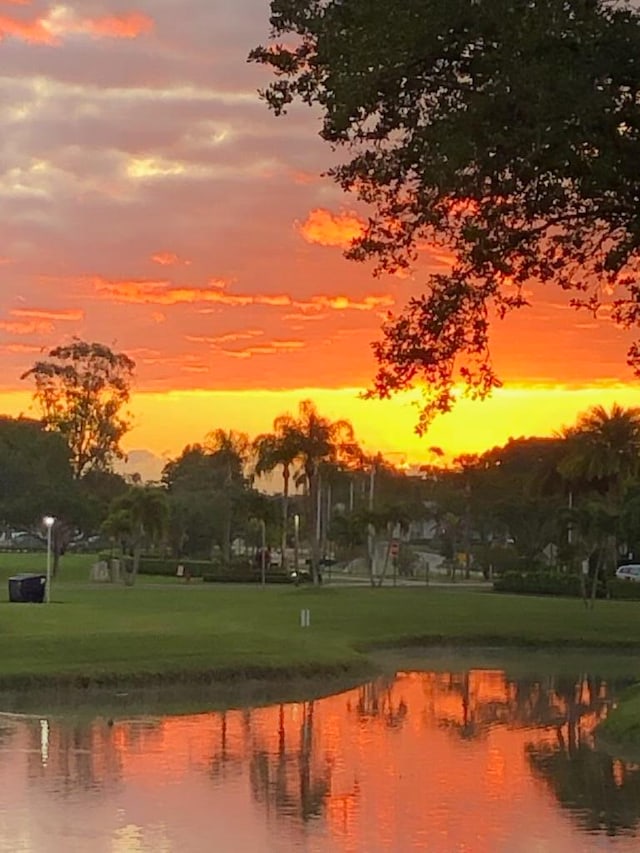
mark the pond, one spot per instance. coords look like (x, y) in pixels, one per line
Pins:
(440, 755)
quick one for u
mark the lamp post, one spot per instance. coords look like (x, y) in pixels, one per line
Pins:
(296, 544)
(48, 521)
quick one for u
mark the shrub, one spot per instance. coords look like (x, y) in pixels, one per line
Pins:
(244, 576)
(624, 589)
(544, 583)
(169, 566)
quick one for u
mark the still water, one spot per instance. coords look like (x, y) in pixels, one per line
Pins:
(471, 759)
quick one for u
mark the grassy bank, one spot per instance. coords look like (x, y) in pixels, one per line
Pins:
(623, 724)
(104, 632)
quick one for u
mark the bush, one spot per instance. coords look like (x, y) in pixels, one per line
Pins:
(245, 576)
(169, 566)
(624, 590)
(544, 583)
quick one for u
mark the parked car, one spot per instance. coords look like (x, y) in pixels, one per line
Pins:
(630, 572)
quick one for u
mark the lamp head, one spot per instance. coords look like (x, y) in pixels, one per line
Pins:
(48, 521)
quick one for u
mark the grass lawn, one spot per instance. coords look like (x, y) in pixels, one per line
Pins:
(95, 632)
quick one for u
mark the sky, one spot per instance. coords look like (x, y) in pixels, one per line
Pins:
(150, 201)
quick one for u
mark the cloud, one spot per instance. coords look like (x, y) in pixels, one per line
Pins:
(62, 21)
(163, 292)
(229, 337)
(128, 26)
(342, 303)
(151, 292)
(331, 229)
(32, 321)
(26, 327)
(168, 259)
(20, 349)
(270, 348)
(32, 32)
(68, 315)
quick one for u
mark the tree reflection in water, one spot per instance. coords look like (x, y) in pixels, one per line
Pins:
(602, 792)
(354, 762)
(376, 701)
(272, 779)
(469, 704)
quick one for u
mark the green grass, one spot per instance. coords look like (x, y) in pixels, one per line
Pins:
(97, 632)
(623, 724)
(74, 567)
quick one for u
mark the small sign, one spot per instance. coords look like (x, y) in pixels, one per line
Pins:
(394, 548)
(180, 571)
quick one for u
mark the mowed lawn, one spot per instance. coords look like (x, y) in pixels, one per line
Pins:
(95, 632)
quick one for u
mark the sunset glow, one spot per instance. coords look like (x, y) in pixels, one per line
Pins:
(150, 201)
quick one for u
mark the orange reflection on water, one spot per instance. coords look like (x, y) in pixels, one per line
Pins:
(462, 761)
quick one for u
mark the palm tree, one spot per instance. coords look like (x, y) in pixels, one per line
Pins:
(317, 440)
(603, 453)
(138, 517)
(604, 449)
(271, 450)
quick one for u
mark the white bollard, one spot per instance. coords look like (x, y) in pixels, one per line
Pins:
(305, 618)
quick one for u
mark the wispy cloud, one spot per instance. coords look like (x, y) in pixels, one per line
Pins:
(229, 337)
(331, 229)
(26, 327)
(163, 292)
(64, 315)
(270, 348)
(169, 259)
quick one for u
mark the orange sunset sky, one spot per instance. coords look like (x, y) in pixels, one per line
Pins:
(149, 200)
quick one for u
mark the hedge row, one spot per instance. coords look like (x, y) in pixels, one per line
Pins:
(245, 577)
(551, 583)
(540, 583)
(624, 589)
(239, 567)
(239, 571)
(169, 566)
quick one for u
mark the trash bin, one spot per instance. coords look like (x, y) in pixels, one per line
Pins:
(27, 587)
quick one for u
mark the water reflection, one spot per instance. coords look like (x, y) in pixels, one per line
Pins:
(440, 761)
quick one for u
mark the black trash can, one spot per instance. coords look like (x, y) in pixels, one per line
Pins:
(27, 587)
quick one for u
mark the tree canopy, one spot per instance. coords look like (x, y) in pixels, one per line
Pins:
(506, 131)
(35, 475)
(81, 389)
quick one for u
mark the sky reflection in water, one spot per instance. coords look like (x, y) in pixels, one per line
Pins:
(468, 761)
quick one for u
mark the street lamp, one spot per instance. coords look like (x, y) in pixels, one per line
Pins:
(48, 522)
(296, 545)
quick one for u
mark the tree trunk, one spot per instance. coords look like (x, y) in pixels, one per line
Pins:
(371, 552)
(387, 554)
(326, 518)
(226, 541)
(285, 514)
(55, 564)
(312, 478)
(596, 576)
